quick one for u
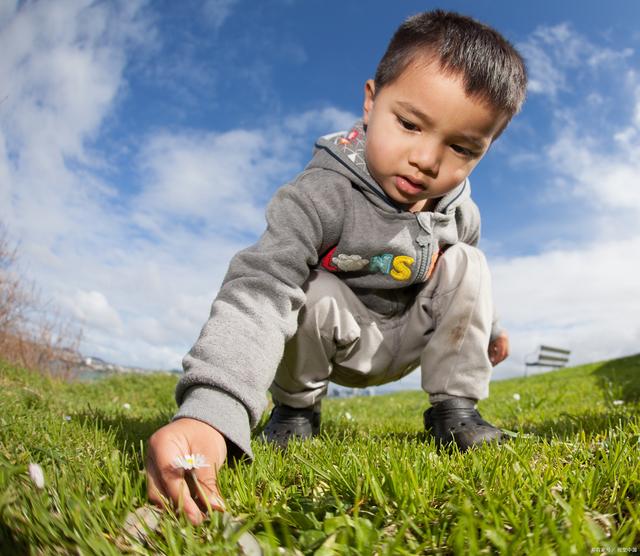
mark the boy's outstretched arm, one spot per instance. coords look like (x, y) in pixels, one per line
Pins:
(499, 348)
(222, 394)
(168, 482)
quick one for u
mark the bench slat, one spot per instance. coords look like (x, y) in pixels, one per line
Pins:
(537, 364)
(547, 356)
(552, 358)
(556, 350)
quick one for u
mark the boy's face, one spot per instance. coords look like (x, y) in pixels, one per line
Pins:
(424, 134)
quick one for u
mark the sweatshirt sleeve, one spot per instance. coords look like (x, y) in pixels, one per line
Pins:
(232, 364)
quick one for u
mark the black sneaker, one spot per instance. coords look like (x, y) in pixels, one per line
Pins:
(456, 420)
(287, 422)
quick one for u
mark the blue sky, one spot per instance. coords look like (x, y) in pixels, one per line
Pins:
(140, 142)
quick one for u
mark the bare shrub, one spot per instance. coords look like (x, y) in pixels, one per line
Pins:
(32, 333)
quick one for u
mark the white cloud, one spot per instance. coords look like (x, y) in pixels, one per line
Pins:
(7, 10)
(605, 180)
(213, 179)
(60, 71)
(584, 299)
(601, 167)
(551, 52)
(217, 11)
(585, 295)
(222, 181)
(139, 271)
(62, 64)
(93, 309)
(544, 76)
(329, 118)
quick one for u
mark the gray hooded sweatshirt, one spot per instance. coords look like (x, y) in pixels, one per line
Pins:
(334, 215)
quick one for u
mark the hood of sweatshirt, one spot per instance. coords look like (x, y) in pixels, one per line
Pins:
(344, 152)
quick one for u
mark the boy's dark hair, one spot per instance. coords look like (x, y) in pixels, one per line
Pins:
(491, 68)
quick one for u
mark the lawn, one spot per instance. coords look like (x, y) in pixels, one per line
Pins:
(372, 483)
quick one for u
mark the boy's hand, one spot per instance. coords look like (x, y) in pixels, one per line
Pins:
(499, 349)
(166, 481)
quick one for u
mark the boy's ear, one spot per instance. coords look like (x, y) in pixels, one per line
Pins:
(369, 95)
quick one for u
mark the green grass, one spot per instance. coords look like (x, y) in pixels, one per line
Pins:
(373, 483)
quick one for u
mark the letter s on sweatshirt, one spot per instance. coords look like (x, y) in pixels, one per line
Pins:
(402, 267)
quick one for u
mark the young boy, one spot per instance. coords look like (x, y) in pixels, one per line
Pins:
(367, 269)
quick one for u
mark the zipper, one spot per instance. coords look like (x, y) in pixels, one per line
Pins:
(424, 241)
(425, 256)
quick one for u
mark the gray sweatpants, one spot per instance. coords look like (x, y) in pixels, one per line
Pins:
(445, 331)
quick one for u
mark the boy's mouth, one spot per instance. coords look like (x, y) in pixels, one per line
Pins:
(407, 185)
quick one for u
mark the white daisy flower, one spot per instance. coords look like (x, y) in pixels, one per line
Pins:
(190, 461)
(618, 402)
(126, 405)
(36, 474)
(516, 397)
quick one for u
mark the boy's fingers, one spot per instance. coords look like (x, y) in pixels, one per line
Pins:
(178, 491)
(154, 493)
(204, 486)
(155, 485)
(170, 483)
(493, 352)
(498, 350)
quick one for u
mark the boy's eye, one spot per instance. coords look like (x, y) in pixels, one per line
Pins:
(462, 150)
(407, 124)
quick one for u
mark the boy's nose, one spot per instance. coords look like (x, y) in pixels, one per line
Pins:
(427, 158)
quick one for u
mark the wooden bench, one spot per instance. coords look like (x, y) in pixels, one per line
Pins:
(547, 356)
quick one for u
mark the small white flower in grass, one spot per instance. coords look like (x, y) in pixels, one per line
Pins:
(190, 461)
(36, 475)
(516, 397)
(126, 405)
(618, 402)
(348, 416)
(67, 418)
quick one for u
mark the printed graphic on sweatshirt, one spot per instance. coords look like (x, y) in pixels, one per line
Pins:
(353, 147)
(349, 263)
(399, 267)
